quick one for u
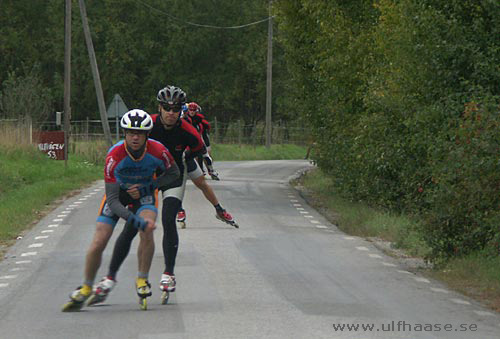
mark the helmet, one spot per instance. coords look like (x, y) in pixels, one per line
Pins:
(138, 120)
(193, 106)
(171, 95)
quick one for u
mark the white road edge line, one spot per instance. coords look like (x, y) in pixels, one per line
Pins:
(484, 313)
(28, 254)
(460, 301)
(8, 277)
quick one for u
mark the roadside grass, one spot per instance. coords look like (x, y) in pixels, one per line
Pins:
(361, 220)
(95, 151)
(92, 151)
(228, 152)
(476, 275)
(30, 182)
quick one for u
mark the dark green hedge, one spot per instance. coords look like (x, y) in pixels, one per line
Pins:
(403, 100)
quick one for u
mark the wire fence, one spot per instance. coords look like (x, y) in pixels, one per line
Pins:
(236, 132)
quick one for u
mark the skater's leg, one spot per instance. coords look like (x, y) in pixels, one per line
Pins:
(121, 249)
(170, 236)
(145, 254)
(94, 254)
(199, 159)
(146, 247)
(208, 162)
(207, 190)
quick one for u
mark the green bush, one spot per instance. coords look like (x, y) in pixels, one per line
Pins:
(407, 109)
(462, 198)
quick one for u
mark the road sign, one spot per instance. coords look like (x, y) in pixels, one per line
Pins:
(51, 143)
(117, 107)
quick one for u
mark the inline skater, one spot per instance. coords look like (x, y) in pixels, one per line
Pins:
(198, 120)
(177, 135)
(142, 157)
(197, 176)
(185, 144)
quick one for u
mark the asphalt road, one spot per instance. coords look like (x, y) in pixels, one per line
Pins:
(286, 273)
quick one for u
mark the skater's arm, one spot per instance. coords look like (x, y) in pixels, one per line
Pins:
(192, 139)
(168, 177)
(112, 185)
(112, 198)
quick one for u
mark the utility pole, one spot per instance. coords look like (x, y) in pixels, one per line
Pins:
(269, 77)
(95, 74)
(67, 78)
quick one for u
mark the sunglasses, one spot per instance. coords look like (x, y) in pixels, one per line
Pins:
(174, 108)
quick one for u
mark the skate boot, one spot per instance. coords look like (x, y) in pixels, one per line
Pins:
(214, 175)
(167, 285)
(101, 291)
(227, 218)
(181, 218)
(143, 291)
(77, 299)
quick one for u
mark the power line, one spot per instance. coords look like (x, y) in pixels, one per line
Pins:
(201, 25)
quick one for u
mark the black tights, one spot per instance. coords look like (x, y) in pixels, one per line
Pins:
(122, 247)
(171, 206)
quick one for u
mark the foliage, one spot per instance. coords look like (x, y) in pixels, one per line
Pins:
(141, 46)
(401, 96)
(406, 107)
(24, 96)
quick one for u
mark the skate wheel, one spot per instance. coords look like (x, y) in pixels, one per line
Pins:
(72, 306)
(143, 302)
(94, 299)
(164, 297)
(182, 224)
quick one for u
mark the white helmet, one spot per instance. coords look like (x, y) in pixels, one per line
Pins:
(138, 120)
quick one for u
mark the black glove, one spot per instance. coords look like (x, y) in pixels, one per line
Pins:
(137, 222)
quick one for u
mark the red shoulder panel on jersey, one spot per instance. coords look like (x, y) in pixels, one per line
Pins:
(159, 151)
(191, 130)
(114, 157)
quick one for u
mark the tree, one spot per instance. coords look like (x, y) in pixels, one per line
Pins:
(25, 97)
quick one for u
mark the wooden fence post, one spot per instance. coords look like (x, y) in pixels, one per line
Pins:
(216, 131)
(254, 134)
(239, 132)
(87, 129)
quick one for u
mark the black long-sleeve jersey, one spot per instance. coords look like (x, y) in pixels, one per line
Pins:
(177, 139)
(201, 124)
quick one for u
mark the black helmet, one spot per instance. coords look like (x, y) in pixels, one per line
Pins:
(171, 95)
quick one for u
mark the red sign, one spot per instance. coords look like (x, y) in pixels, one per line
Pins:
(50, 142)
